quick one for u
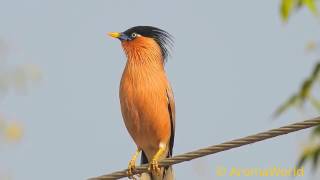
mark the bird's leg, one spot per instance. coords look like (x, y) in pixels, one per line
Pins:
(154, 166)
(132, 163)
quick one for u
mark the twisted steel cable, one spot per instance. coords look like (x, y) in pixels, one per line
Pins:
(218, 148)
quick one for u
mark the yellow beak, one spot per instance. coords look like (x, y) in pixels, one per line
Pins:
(114, 34)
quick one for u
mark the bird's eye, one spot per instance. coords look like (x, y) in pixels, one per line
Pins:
(133, 35)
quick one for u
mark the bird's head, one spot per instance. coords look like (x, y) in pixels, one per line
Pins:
(144, 40)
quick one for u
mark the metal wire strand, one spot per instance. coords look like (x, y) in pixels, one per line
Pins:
(218, 148)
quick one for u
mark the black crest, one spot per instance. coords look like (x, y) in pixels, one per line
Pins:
(163, 38)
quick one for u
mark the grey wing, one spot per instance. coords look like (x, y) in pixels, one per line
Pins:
(172, 113)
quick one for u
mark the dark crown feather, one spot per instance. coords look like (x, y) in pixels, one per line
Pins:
(163, 38)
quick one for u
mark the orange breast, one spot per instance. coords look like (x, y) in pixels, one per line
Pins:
(144, 106)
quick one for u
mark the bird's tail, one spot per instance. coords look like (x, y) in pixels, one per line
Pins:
(165, 173)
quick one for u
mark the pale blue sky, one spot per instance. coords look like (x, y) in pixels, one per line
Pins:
(233, 63)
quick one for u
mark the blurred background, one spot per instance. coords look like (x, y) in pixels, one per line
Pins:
(238, 68)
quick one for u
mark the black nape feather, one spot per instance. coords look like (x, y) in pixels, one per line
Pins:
(163, 38)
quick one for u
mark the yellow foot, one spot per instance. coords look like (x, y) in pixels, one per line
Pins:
(132, 165)
(154, 167)
(131, 168)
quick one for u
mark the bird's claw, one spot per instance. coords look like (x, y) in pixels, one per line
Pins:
(132, 165)
(131, 169)
(154, 167)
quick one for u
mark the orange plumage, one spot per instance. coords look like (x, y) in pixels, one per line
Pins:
(146, 97)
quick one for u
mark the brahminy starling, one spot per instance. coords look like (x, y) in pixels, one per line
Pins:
(146, 98)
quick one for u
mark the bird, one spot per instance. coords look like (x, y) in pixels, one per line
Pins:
(146, 98)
